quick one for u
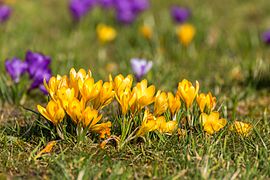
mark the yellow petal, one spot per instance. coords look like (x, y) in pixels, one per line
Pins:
(241, 128)
(59, 116)
(47, 149)
(103, 129)
(211, 123)
(44, 113)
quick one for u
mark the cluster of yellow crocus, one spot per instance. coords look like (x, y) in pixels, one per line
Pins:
(209, 118)
(206, 102)
(79, 97)
(157, 121)
(188, 93)
(133, 98)
(152, 123)
(140, 97)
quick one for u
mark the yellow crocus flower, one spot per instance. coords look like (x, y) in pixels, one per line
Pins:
(241, 128)
(75, 110)
(146, 31)
(65, 95)
(126, 99)
(211, 123)
(185, 33)
(54, 84)
(171, 126)
(122, 87)
(47, 149)
(174, 103)
(105, 33)
(90, 117)
(187, 91)
(144, 95)
(149, 124)
(53, 112)
(89, 89)
(102, 129)
(166, 127)
(161, 103)
(105, 96)
(121, 83)
(206, 101)
(77, 79)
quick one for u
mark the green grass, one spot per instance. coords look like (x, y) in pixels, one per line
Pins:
(227, 39)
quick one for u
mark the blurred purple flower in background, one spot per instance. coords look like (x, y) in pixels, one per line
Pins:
(15, 68)
(180, 14)
(5, 12)
(38, 68)
(126, 10)
(266, 37)
(35, 64)
(38, 79)
(125, 17)
(139, 5)
(80, 8)
(140, 67)
(106, 3)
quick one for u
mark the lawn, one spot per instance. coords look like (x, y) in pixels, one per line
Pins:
(227, 57)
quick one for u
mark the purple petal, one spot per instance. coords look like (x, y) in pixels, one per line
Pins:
(140, 67)
(180, 14)
(43, 89)
(5, 12)
(139, 5)
(106, 3)
(266, 37)
(125, 16)
(39, 76)
(15, 68)
(36, 62)
(136, 66)
(79, 8)
(124, 11)
(148, 66)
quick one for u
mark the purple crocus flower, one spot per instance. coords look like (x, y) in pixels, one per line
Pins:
(107, 3)
(15, 68)
(38, 69)
(125, 17)
(266, 37)
(36, 62)
(124, 13)
(180, 14)
(5, 12)
(140, 67)
(139, 5)
(80, 8)
(38, 79)
(128, 10)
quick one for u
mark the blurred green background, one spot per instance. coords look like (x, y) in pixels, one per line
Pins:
(227, 45)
